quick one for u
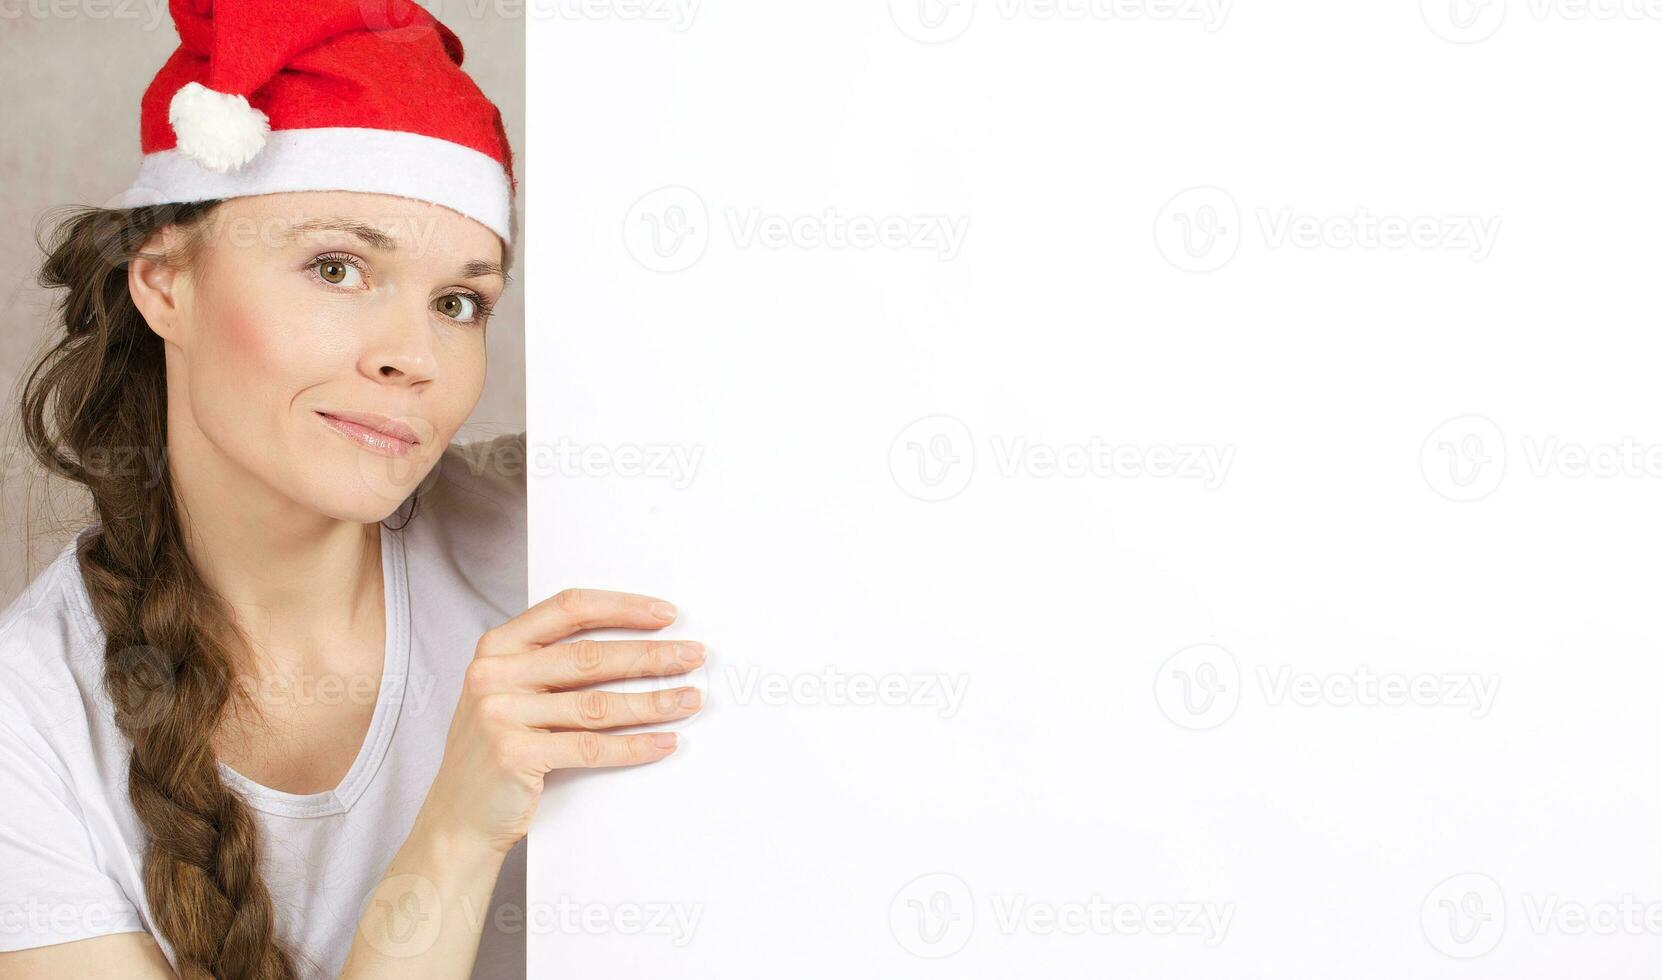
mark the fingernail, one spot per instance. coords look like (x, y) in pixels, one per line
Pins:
(692, 697)
(664, 740)
(663, 611)
(690, 652)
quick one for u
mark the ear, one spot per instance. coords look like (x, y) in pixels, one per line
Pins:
(156, 287)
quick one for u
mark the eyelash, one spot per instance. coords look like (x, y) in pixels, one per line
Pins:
(483, 307)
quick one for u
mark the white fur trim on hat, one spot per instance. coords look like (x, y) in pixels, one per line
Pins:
(220, 131)
(375, 161)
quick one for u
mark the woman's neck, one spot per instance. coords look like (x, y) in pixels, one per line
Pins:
(304, 588)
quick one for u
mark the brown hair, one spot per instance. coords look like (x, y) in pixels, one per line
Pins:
(94, 410)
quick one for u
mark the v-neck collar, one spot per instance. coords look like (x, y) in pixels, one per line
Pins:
(389, 702)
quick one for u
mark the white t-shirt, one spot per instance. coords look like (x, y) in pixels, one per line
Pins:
(71, 845)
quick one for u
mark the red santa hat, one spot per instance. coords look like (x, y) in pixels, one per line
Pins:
(267, 96)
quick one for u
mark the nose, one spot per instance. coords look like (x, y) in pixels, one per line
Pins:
(400, 348)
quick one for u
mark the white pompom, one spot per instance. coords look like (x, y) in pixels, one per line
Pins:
(221, 132)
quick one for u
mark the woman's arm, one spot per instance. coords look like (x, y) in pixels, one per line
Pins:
(426, 914)
(424, 918)
(120, 956)
(528, 706)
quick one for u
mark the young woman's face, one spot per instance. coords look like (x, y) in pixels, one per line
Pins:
(309, 320)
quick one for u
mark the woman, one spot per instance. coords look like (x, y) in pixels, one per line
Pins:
(247, 729)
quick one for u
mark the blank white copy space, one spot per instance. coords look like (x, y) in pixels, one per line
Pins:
(1171, 489)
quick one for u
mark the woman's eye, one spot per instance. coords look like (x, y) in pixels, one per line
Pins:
(459, 306)
(338, 272)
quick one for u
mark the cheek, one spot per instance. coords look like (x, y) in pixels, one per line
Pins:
(471, 374)
(245, 336)
(252, 356)
(476, 363)
(463, 382)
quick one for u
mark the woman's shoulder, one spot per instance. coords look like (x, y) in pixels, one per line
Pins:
(486, 465)
(468, 532)
(63, 772)
(482, 480)
(51, 648)
(50, 622)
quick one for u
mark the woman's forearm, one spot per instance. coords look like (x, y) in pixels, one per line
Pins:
(528, 707)
(425, 916)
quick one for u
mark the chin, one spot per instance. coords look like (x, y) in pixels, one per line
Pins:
(360, 508)
(367, 492)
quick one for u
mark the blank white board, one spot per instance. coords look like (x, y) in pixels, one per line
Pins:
(1170, 488)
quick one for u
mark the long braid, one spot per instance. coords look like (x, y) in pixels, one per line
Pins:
(94, 411)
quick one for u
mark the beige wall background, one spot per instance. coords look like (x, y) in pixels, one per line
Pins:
(72, 72)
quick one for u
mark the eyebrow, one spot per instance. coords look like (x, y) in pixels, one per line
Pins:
(386, 243)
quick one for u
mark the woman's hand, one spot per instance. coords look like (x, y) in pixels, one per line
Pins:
(525, 710)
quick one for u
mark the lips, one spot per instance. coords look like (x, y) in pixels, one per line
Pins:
(373, 433)
(377, 423)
